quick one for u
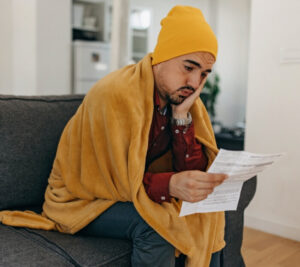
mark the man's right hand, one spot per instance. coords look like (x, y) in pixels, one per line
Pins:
(193, 186)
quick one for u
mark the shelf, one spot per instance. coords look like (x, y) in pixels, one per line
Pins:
(89, 1)
(84, 28)
(89, 44)
(229, 141)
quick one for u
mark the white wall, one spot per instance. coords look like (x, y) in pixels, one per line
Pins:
(273, 121)
(37, 38)
(5, 47)
(24, 46)
(232, 29)
(54, 46)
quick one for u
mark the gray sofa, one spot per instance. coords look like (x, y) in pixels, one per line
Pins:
(30, 128)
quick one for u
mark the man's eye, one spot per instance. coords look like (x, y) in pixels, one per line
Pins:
(188, 68)
(204, 74)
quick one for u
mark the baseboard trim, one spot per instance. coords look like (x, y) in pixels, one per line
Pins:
(273, 228)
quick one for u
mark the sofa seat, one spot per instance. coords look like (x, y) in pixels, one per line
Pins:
(48, 248)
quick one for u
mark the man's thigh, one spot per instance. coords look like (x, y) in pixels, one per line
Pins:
(116, 222)
(123, 221)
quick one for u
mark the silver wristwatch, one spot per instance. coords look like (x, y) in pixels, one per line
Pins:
(182, 122)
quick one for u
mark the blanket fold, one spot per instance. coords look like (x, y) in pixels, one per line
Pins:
(101, 160)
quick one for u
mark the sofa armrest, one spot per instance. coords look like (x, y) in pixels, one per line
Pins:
(235, 225)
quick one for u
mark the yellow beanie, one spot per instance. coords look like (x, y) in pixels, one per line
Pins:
(183, 31)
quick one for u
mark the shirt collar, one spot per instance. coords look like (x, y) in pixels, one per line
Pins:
(156, 104)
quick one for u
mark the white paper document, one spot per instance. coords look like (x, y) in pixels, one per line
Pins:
(239, 166)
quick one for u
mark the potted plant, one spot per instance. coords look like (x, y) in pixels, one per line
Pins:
(209, 95)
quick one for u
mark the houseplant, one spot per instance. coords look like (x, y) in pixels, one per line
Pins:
(209, 95)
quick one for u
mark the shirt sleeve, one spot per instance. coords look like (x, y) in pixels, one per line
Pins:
(187, 151)
(157, 186)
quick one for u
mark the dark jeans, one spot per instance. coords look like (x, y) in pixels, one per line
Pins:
(149, 248)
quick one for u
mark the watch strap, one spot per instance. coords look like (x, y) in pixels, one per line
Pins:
(182, 122)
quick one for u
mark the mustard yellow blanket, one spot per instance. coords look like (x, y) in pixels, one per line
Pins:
(101, 160)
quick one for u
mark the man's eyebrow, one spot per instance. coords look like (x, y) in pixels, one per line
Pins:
(193, 62)
(196, 64)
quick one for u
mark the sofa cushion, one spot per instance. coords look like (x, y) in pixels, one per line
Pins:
(26, 247)
(30, 128)
(17, 251)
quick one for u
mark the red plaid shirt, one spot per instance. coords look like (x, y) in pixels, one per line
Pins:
(187, 151)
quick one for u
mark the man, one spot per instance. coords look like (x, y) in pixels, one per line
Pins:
(178, 83)
(137, 146)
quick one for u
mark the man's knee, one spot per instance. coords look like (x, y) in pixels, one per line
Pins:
(147, 238)
(150, 249)
(140, 229)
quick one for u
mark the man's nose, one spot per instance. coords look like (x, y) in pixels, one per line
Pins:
(194, 81)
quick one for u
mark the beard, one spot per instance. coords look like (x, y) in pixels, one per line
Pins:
(176, 99)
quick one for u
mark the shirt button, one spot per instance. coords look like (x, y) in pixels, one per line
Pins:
(162, 128)
(187, 155)
(154, 144)
(177, 131)
(163, 198)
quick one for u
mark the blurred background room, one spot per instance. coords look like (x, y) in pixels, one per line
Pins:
(51, 47)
